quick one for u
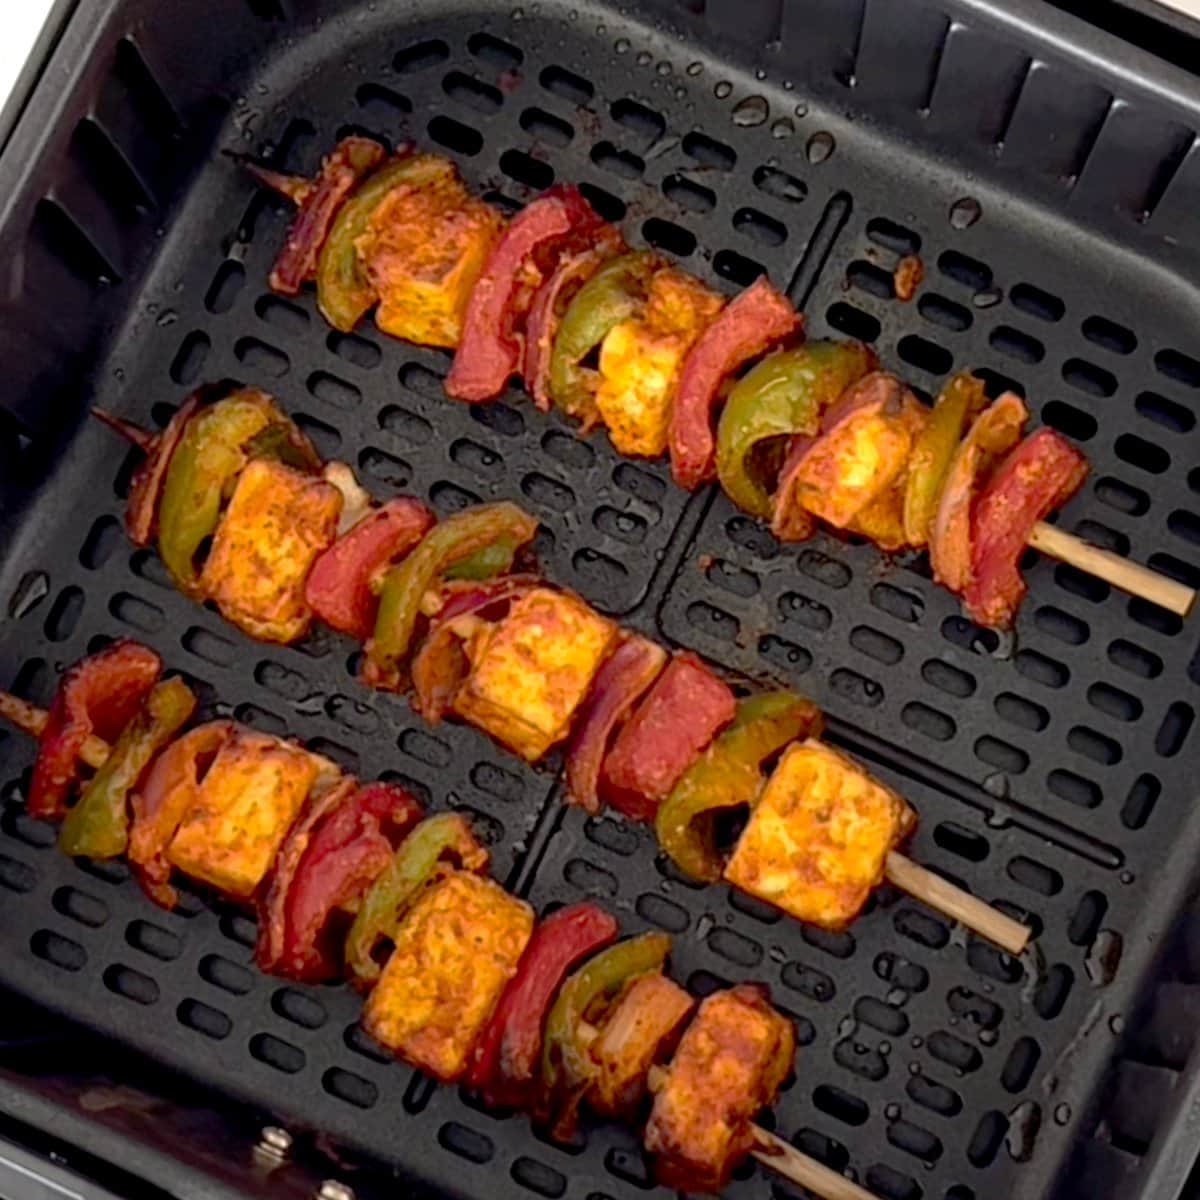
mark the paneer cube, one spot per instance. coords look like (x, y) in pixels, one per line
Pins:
(731, 1063)
(818, 838)
(423, 250)
(277, 522)
(530, 671)
(640, 360)
(455, 949)
(245, 806)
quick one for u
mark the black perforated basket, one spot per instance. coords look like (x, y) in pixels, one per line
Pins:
(1048, 176)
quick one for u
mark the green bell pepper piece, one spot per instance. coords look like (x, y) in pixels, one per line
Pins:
(781, 397)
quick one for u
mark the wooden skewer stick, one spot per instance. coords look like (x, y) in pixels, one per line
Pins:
(784, 1159)
(1129, 576)
(143, 439)
(938, 893)
(941, 895)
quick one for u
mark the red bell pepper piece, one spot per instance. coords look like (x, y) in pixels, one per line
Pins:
(170, 788)
(339, 587)
(685, 709)
(749, 325)
(506, 1062)
(440, 665)
(1040, 475)
(141, 509)
(992, 435)
(549, 304)
(619, 684)
(352, 159)
(559, 222)
(100, 695)
(334, 852)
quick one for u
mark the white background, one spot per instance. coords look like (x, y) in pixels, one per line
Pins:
(21, 20)
(20, 23)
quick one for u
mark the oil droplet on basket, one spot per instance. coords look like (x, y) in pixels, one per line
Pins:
(722, 90)
(517, 14)
(783, 128)
(1104, 957)
(694, 68)
(1126, 877)
(997, 784)
(1023, 1124)
(1117, 1024)
(846, 1027)
(917, 1042)
(168, 316)
(987, 297)
(897, 997)
(704, 926)
(751, 111)
(801, 109)
(892, 1111)
(820, 147)
(965, 212)
(32, 589)
(644, 58)
(1062, 1114)
(663, 68)
(989, 1037)
(621, 45)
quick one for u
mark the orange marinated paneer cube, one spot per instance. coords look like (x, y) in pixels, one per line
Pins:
(641, 357)
(423, 250)
(246, 804)
(731, 1062)
(455, 949)
(818, 839)
(530, 671)
(277, 522)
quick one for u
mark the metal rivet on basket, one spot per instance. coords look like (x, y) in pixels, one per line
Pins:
(274, 1144)
(333, 1189)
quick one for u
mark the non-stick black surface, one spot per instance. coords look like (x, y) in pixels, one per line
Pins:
(1054, 769)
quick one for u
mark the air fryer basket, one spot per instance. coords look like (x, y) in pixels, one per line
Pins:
(1049, 180)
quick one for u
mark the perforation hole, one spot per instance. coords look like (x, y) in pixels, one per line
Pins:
(546, 127)
(841, 1105)
(737, 268)
(1036, 876)
(961, 841)
(525, 169)
(16, 876)
(229, 976)
(567, 85)
(948, 679)
(1066, 785)
(299, 1008)
(1020, 1065)
(504, 56)
(421, 56)
(466, 1143)
(936, 1097)
(1180, 367)
(1114, 702)
(204, 1019)
(1142, 454)
(456, 136)
(1002, 755)
(939, 311)
(622, 163)
(986, 1140)
(1016, 344)
(996, 384)
(1022, 713)
(1061, 625)
(130, 984)
(1068, 419)
(780, 184)
(930, 722)
(154, 940)
(666, 235)
(1087, 377)
(227, 283)
(382, 103)
(926, 355)
(759, 227)
(351, 1088)
(1051, 994)
(57, 950)
(921, 928)
(867, 277)
(1166, 413)
(277, 1053)
(1122, 497)
(539, 1178)
(1173, 731)
(1037, 303)
(80, 906)
(853, 322)
(954, 1052)
(257, 356)
(708, 152)
(969, 272)
(1140, 801)
(644, 124)
(64, 616)
(1111, 336)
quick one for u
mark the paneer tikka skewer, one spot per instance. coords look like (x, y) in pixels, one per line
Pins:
(658, 737)
(796, 433)
(463, 982)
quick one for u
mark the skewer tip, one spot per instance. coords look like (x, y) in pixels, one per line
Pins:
(143, 439)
